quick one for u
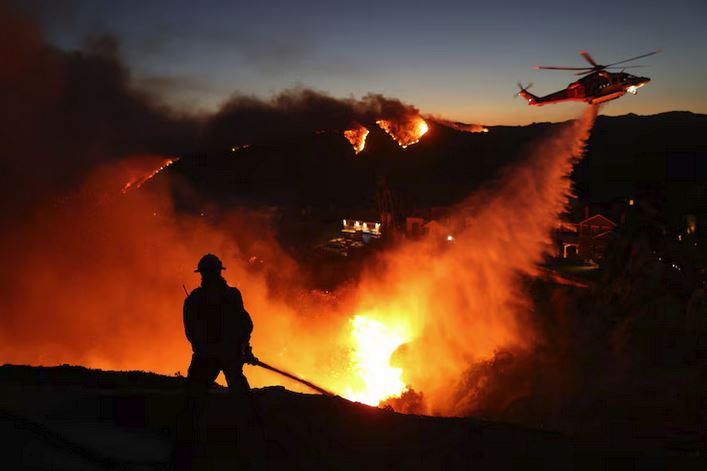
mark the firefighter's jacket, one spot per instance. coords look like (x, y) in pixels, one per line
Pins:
(216, 322)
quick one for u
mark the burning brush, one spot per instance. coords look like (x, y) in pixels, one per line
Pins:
(405, 132)
(357, 138)
(139, 180)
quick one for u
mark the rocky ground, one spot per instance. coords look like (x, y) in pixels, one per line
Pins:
(73, 418)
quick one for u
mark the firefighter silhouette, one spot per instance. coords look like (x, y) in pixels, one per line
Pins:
(218, 328)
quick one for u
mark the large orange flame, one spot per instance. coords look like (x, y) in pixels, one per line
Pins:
(405, 132)
(374, 343)
(357, 138)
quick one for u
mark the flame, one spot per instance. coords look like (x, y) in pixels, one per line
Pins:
(374, 343)
(139, 180)
(357, 138)
(459, 126)
(407, 132)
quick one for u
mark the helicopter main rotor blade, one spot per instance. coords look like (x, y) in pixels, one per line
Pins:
(538, 67)
(637, 57)
(629, 67)
(613, 67)
(588, 58)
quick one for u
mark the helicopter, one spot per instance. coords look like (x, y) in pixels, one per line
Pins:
(598, 85)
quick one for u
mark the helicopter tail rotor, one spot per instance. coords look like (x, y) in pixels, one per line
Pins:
(522, 89)
(532, 99)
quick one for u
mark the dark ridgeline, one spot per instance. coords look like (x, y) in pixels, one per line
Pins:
(626, 155)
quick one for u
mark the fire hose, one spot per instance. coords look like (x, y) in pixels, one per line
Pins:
(293, 377)
(262, 364)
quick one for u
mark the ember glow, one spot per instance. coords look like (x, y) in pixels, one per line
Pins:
(138, 180)
(357, 138)
(405, 132)
(374, 344)
(458, 125)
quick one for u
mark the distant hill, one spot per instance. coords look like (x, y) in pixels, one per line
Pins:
(661, 157)
(626, 155)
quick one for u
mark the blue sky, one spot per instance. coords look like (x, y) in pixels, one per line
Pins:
(457, 59)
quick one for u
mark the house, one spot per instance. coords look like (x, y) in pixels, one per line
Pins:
(584, 240)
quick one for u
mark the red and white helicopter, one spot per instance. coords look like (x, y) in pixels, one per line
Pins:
(597, 86)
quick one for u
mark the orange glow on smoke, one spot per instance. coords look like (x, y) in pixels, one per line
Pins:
(421, 321)
(460, 303)
(136, 181)
(405, 132)
(357, 138)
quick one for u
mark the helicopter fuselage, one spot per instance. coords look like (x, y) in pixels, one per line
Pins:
(595, 88)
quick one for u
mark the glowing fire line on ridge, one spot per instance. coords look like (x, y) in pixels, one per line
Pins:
(137, 182)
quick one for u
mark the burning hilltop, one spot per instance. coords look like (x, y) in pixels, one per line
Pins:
(405, 132)
(301, 112)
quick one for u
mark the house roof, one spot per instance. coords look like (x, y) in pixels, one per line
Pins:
(598, 220)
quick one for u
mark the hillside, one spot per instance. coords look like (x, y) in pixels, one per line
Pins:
(625, 155)
(75, 418)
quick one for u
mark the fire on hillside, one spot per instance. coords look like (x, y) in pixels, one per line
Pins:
(405, 132)
(140, 179)
(357, 138)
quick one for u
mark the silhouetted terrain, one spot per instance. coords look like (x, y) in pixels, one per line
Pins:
(75, 418)
(625, 155)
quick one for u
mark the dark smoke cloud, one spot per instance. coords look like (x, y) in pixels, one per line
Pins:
(67, 112)
(94, 276)
(64, 114)
(299, 111)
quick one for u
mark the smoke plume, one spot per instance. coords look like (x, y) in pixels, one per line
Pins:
(95, 267)
(296, 112)
(465, 300)
(67, 113)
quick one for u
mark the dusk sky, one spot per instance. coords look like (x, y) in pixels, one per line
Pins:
(457, 59)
